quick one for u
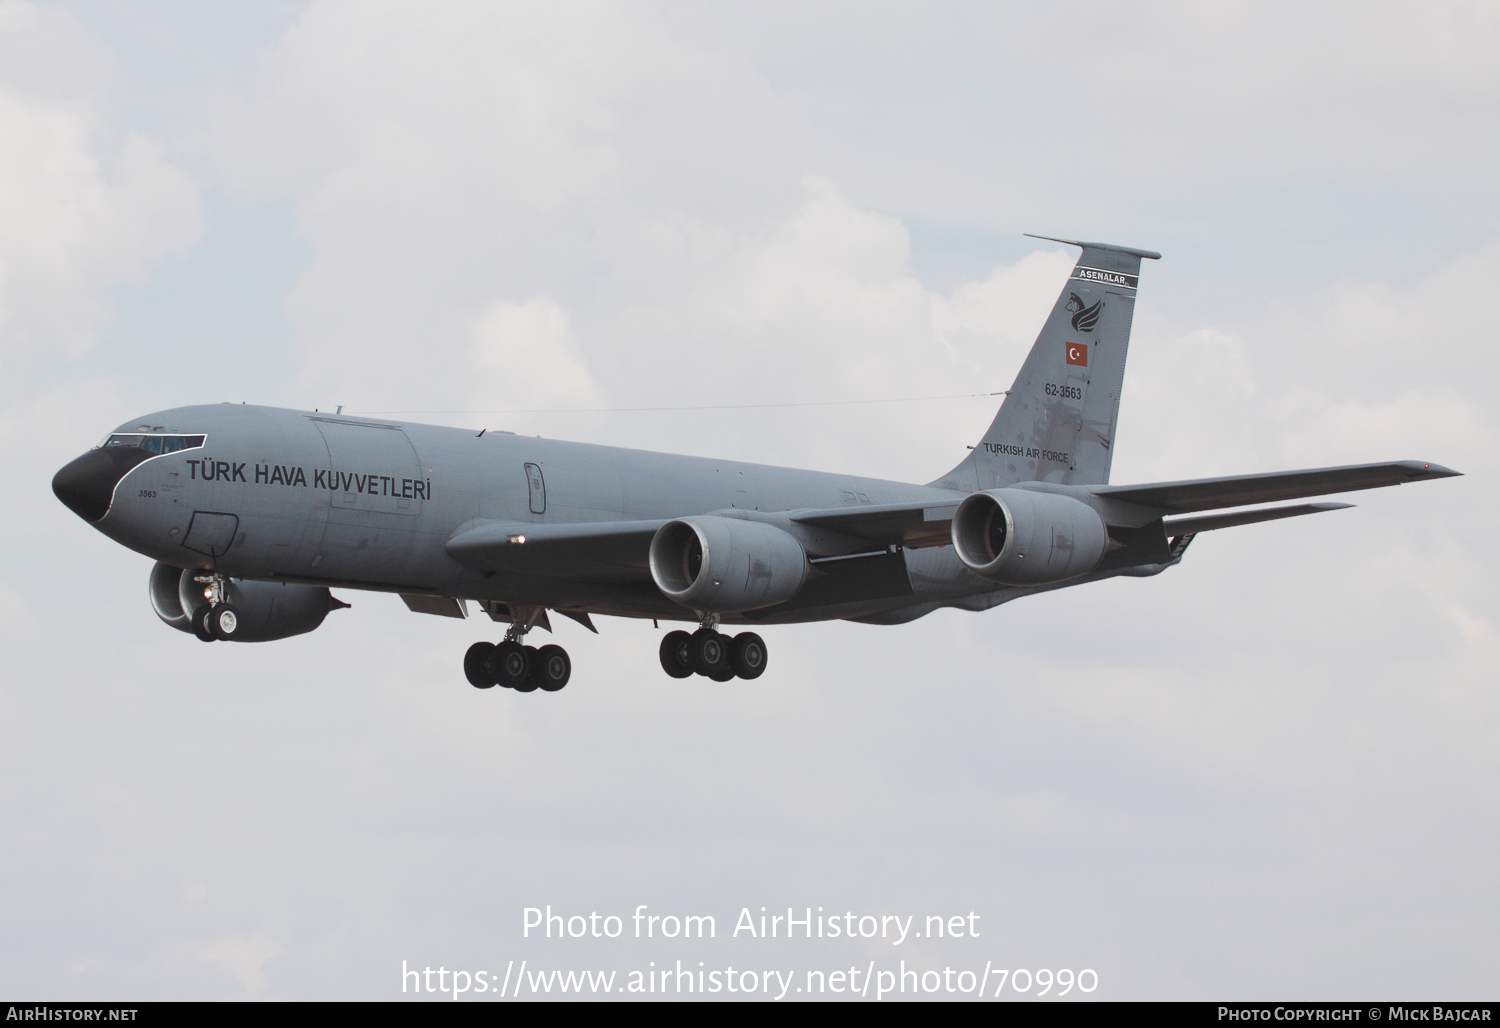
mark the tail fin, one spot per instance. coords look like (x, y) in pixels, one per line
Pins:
(1058, 422)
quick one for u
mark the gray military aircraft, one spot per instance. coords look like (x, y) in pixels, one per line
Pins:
(252, 513)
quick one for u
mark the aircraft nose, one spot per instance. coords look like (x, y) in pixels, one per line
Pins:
(87, 485)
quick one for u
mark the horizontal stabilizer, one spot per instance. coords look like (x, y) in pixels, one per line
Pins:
(1107, 247)
(1242, 490)
(1209, 522)
(599, 550)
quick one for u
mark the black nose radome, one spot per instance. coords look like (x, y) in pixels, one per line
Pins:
(87, 484)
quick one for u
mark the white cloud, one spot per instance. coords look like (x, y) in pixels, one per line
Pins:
(819, 303)
(79, 213)
(437, 156)
(442, 113)
(1004, 310)
(524, 356)
(243, 956)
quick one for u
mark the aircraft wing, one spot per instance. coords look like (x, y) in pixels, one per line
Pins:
(599, 550)
(619, 550)
(1241, 490)
(919, 524)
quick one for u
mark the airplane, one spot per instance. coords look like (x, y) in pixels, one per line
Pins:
(253, 513)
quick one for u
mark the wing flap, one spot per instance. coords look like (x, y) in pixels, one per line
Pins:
(443, 606)
(1242, 490)
(1209, 522)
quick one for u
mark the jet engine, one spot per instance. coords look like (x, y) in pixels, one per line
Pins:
(726, 565)
(1022, 537)
(267, 610)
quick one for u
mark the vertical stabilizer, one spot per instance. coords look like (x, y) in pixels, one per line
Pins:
(1058, 422)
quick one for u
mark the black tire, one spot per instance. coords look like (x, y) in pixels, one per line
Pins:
(474, 665)
(509, 665)
(676, 654)
(747, 655)
(724, 674)
(533, 681)
(200, 624)
(551, 669)
(710, 652)
(224, 621)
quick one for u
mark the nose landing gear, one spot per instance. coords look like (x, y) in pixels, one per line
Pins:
(517, 666)
(224, 622)
(216, 619)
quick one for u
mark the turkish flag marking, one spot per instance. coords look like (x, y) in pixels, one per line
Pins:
(1078, 353)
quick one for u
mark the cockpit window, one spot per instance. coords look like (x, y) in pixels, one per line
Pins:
(154, 443)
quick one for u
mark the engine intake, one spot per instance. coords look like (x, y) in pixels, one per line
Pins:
(726, 565)
(267, 610)
(1021, 537)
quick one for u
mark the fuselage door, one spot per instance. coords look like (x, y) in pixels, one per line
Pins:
(211, 533)
(537, 488)
(371, 467)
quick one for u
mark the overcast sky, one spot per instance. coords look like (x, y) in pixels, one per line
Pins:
(1273, 772)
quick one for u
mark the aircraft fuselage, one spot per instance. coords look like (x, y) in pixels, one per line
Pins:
(370, 504)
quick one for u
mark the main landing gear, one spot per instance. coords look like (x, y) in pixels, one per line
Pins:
(523, 668)
(216, 619)
(707, 652)
(516, 666)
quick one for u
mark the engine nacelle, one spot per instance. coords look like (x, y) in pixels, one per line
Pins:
(726, 565)
(1022, 537)
(267, 610)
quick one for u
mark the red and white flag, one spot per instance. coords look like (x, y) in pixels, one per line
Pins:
(1078, 353)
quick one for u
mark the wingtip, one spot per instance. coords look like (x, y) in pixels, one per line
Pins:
(1421, 469)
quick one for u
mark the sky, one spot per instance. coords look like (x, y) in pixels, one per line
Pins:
(1270, 773)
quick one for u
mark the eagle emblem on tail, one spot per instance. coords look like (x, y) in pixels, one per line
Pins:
(1084, 318)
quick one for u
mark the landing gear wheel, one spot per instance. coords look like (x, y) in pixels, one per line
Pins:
(200, 624)
(710, 652)
(532, 681)
(508, 664)
(474, 665)
(551, 668)
(676, 655)
(726, 674)
(747, 655)
(223, 621)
